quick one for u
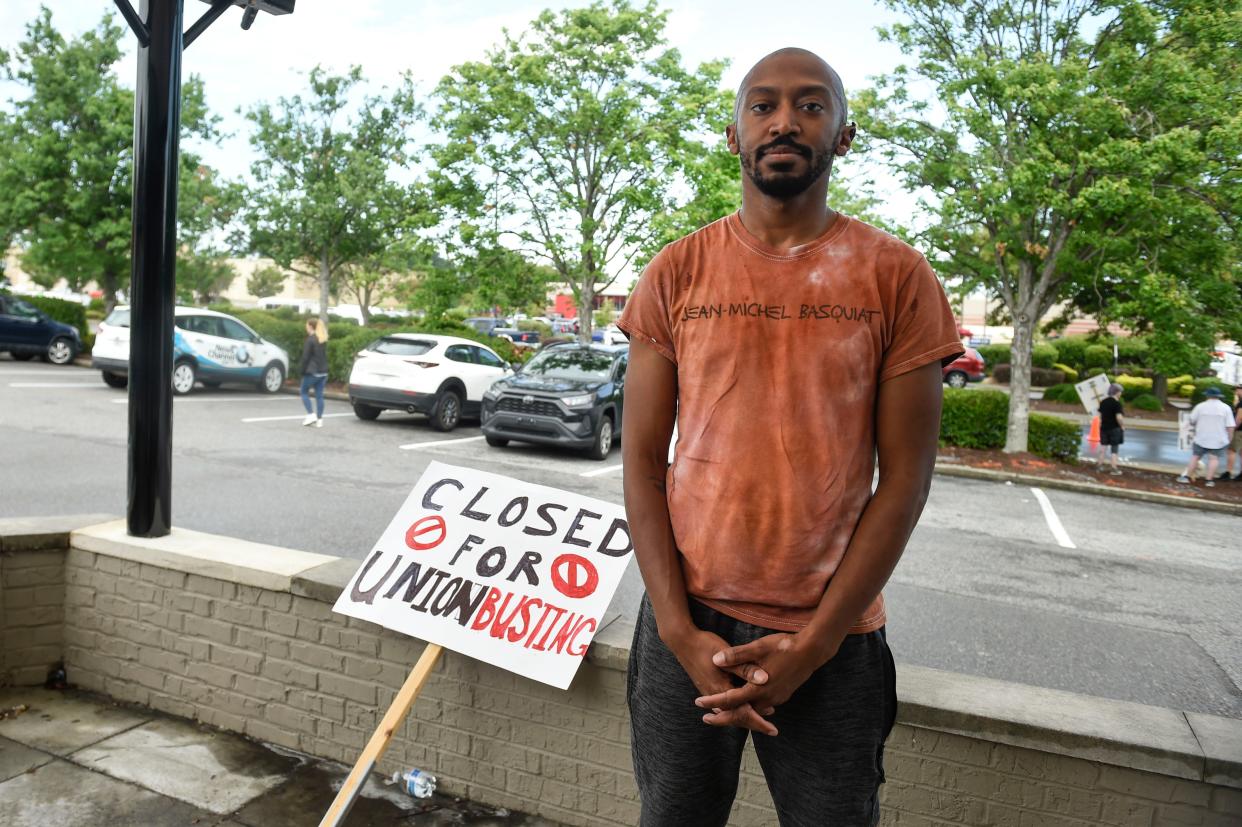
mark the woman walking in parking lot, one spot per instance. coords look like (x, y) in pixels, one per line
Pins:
(314, 370)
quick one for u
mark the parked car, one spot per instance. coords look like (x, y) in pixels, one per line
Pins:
(969, 367)
(27, 332)
(214, 348)
(568, 394)
(443, 377)
(563, 326)
(520, 338)
(486, 325)
(610, 335)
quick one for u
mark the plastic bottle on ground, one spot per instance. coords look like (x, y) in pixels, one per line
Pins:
(416, 782)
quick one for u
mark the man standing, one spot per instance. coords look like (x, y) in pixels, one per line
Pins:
(1212, 424)
(792, 345)
(1112, 427)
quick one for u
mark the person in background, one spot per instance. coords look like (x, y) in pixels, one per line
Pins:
(314, 370)
(1234, 451)
(1112, 427)
(1212, 423)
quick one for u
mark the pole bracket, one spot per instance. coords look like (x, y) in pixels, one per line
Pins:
(218, 7)
(135, 22)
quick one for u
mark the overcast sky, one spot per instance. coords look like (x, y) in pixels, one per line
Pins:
(387, 37)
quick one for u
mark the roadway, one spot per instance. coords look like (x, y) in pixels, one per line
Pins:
(1064, 590)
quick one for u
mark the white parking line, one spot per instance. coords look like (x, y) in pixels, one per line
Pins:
(183, 401)
(55, 385)
(414, 446)
(285, 418)
(1054, 522)
(599, 472)
(56, 372)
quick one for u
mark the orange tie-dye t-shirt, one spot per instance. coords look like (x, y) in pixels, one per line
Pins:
(780, 355)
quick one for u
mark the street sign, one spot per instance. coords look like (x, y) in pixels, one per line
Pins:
(1091, 391)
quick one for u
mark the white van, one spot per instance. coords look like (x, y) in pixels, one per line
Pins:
(208, 347)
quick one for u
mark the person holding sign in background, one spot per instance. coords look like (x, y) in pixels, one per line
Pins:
(1213, 423)
(1112, 427)
(762, 547)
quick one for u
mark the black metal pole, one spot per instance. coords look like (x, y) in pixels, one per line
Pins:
(157, 127)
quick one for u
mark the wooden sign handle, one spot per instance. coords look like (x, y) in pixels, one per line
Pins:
(396, 713)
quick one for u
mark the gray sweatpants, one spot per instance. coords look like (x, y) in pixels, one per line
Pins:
(823, 770)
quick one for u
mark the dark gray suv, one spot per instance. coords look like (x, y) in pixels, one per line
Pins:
(569, 394)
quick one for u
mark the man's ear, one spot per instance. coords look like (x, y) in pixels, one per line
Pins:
(731, 138)
(848, 132)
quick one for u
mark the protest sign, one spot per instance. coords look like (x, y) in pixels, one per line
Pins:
(1091, 391)
(1185, 434)
(513, 574)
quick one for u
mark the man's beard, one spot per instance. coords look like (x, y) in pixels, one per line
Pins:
(785, 187)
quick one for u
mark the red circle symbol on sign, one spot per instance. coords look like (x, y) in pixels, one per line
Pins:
(574, 575)
(426, 533)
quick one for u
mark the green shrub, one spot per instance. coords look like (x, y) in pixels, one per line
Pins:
(1054, 437)
(978, 419)
(1175, 382)
(1201, 385)
(1184, 391)
(1062, 393)
(341, 352)
(974, 419)
(1071, 350)
(1146, 402)
(1043, 356)
(71, 313)
(1133, 387)
(1040, 377)
(1071, 375)
(1098, 356)
(1133, 350)
(1089, 372)
(994, 354)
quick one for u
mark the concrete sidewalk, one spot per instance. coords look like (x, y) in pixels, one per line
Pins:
(76, 760)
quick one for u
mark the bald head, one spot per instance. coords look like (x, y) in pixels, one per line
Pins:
(831, 79)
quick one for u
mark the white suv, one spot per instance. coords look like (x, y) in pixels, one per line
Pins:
(443, 377)
(210, 347)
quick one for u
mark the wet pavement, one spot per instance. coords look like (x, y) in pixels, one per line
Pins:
(72, 760)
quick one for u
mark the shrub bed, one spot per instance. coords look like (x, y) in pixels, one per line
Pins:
(1062, 393)
(1040, 377)
(1200, 388)
(978, 419)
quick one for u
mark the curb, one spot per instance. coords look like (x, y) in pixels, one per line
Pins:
(1088, 488)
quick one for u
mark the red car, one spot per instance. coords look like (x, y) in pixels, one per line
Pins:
(966, 368)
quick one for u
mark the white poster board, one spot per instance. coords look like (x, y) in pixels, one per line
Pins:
(1091, 391)
(510, 573)
(1185, 436)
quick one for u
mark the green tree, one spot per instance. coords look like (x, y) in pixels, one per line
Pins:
(209, 208)
(564, 144)
(266, 281)
(327, 193)
(1058, 129)
(67, 155)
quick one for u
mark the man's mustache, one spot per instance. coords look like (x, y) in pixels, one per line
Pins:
(786, 142)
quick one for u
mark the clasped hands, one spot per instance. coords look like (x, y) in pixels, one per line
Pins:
(772, 668)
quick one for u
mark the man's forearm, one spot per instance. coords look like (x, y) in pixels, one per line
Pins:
(655, 548)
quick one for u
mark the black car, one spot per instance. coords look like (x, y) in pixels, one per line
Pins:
(26, 332)
(568, 394)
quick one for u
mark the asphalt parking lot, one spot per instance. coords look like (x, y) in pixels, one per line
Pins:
(1070, 591)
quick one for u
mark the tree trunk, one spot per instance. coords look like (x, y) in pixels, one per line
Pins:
(109, 290)
(586, 308)
(1019, 383)
(1160, 387)
(325, 278)
(364, 304)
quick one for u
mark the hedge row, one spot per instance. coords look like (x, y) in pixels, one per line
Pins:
(979, 419)
(1040, 377)
(1080, 353)
(346, 338)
